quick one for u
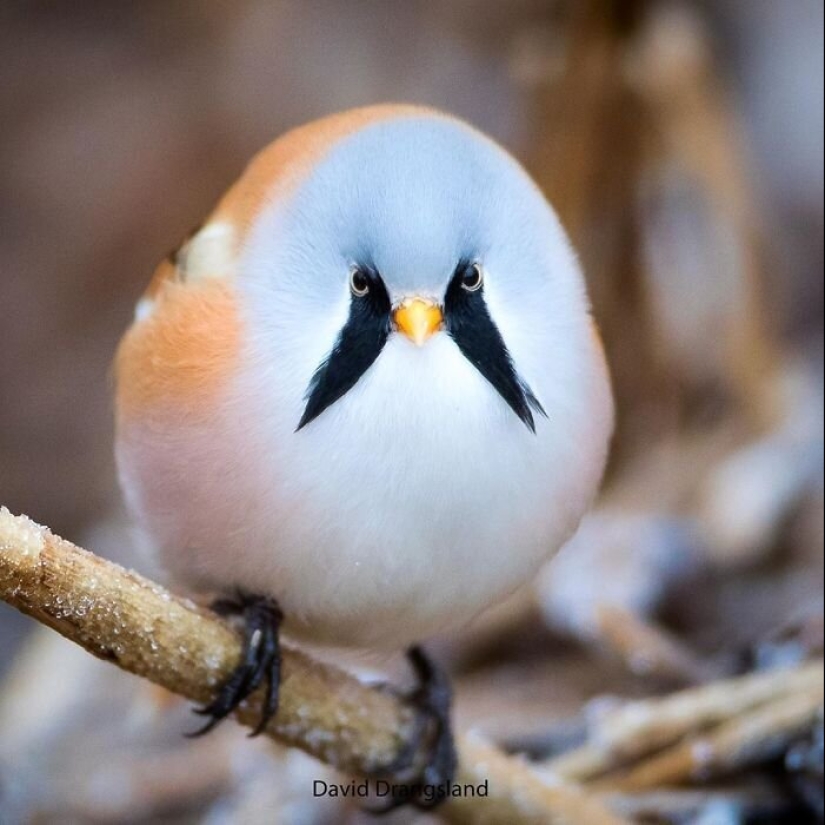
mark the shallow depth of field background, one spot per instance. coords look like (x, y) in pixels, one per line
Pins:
(682, 144)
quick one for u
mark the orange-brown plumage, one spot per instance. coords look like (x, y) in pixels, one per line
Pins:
(183, 353)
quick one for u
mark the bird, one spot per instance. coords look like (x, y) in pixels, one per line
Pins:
(366, 399)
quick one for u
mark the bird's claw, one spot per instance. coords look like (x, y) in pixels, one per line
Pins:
(432, 699)
(260, 663)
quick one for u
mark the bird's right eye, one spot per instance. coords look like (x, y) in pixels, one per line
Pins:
(473, 278)
(359, 283)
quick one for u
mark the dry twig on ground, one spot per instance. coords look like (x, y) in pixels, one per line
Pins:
(647, 649)
(638, 729)
(752, 738)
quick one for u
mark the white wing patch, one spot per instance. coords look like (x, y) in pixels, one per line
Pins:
(209, 253)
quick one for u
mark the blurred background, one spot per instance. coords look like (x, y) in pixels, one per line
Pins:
(682, 144)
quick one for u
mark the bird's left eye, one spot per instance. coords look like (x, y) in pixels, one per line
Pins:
(473, 278)
(359, 283)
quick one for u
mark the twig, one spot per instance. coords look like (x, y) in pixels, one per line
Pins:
(751, 739)
(647, 649)
(130, 621)
(530, 798)
(640, 728)
(582, 764)
(123, 618)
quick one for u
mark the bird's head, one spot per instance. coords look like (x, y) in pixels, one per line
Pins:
(416, 247)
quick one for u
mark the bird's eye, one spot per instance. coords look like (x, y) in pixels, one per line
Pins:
(359, 283)
(473, 278)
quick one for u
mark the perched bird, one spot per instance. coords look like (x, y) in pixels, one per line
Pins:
(366, 394)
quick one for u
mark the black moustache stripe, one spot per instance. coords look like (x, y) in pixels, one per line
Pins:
(359, 343)
(469, 324)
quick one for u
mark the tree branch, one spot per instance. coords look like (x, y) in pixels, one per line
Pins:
(134, 623)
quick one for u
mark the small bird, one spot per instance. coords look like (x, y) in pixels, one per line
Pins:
(366, 398)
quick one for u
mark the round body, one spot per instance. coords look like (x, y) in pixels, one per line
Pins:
(284, 427)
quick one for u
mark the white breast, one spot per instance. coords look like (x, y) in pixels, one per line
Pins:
(412, 504)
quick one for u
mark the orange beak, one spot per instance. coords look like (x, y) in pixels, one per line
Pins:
(418, 319)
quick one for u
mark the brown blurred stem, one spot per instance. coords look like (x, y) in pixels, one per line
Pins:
(753, 738)
(134, 623)
(704, 731)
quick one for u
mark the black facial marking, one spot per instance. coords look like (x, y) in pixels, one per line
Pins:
(469, 324)
(359, 343)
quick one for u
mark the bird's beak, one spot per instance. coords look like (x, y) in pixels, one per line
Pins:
(418, 319)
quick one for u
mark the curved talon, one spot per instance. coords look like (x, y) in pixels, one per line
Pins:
(433, 699)
(261, 662)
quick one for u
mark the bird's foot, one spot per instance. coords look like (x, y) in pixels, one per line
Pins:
(260, 662)
(432, 699)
